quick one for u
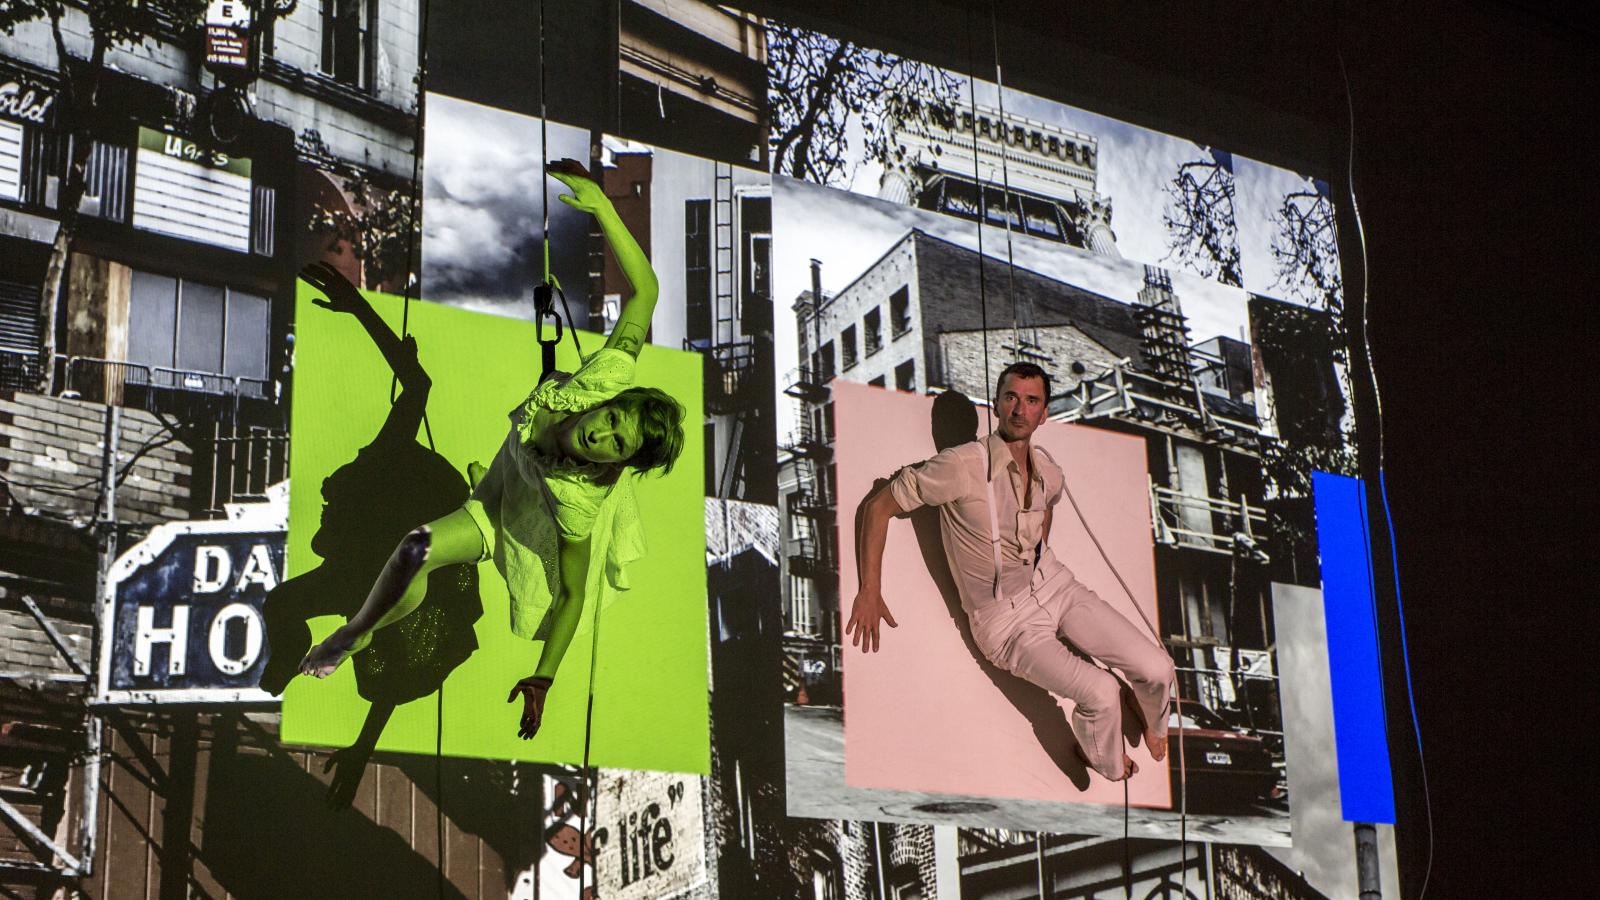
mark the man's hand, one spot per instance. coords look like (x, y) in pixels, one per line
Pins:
(864, 615)
(342, 295)
(586, 194)
(533, 688)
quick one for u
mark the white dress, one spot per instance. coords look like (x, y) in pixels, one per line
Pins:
(528, 501)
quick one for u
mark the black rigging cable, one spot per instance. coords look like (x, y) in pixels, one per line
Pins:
(1383, 493)
(413, 282)
(1011, 268)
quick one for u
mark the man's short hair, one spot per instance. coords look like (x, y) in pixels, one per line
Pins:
(1023, 370)
(660, 427)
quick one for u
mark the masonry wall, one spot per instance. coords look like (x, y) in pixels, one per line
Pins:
(50, 456)
(952, 298)
(870, 290)
(963, 356)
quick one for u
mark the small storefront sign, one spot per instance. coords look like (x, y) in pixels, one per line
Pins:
(227, 35)
(25, 102)
(188, 190)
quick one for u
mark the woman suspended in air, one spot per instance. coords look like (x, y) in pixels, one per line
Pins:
(556, 508)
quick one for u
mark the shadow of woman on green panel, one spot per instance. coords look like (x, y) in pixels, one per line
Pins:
(391, 486)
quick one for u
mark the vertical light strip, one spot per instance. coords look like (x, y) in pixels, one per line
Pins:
(1366, 783)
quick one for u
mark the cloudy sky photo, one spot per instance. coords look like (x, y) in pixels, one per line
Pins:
(482, 209)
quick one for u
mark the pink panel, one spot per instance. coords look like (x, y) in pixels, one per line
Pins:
(927, 712)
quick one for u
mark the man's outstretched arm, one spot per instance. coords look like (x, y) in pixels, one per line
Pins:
(869, 607)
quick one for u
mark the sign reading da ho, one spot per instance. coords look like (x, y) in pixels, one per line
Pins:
(182, 614)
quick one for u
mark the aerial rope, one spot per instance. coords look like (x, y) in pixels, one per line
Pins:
(545, 315)
(1016, 331)
(413, 282)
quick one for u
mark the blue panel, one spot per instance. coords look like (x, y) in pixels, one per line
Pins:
(1366, 785)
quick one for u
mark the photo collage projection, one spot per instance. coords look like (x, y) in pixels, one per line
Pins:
(847, 247)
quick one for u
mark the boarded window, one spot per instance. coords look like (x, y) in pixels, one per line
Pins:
(905, 376)
(900, 311)
(197, 327)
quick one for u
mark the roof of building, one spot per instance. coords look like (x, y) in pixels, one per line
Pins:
(947, 269)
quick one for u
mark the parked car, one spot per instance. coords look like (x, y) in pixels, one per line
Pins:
(1223, 766)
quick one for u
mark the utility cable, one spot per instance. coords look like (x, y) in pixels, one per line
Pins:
(413, 282)
(1383, 492)
(1005, 180)
(977, 186)
(1011, 269)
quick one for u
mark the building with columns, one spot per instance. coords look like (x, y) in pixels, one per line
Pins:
(1048, 173)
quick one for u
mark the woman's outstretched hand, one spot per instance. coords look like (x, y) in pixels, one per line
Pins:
(533, 689)
(586, 194)
(342, 295)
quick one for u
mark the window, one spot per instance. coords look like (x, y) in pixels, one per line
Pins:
(905, 883)
(755, 222)
(905, 376)
(349, 36)
(177, 324)
(710, 451)
(824, 364)
(697, 268)
(802, 619)
(848, 345)
(799, 526)
(10, 161)
(827, 875)
(900, 311)
(877, 382)
(872, 323)
(1041, 219)
(991, 204)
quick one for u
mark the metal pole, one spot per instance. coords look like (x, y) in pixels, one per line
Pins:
(1038, 849)
(106, 529)
(1367, 880)
(877, 852)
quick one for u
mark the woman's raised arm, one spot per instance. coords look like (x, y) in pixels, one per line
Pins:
(633, 325)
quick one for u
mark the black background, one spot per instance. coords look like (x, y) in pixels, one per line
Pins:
(1475, 184)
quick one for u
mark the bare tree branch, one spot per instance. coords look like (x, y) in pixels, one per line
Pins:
(1202, 234)
(819, 86)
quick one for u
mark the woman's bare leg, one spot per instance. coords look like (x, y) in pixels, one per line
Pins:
(451, 540)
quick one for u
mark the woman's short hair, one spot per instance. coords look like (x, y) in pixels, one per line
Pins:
(660, 421)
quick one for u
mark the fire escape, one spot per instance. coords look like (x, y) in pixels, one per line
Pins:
(1212, 524)
(811, 448)
(731, 358)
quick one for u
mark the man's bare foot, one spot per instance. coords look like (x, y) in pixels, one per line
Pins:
(1129, 767)
(1156, 745)
(327, 656)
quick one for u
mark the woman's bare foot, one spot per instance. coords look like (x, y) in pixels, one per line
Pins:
(327, 656)
(1129, 767)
